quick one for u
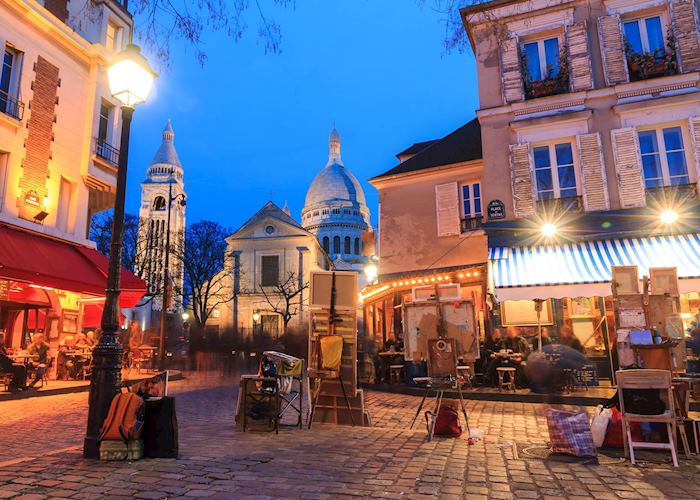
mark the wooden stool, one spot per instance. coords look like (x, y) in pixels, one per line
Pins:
(506, 384)
(395, 372)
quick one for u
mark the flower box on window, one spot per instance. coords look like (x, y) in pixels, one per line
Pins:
(656, 63)
(555, 77)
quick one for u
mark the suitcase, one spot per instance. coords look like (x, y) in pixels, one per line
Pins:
(160, 433)
(119, 450)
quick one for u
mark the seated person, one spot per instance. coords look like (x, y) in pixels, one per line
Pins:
(91, 338)
(7, 365)
(490, 361)
(135, 340)
(65, 365)
(567, 338)
(40, 349)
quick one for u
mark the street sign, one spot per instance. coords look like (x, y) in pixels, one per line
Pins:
(495, 210)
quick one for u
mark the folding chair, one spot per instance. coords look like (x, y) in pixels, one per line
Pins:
(648, 379)
(442, 375)
(329, 368)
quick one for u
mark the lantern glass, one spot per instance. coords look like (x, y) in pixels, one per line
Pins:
(130, 77)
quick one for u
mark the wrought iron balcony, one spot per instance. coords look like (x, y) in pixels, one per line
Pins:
(106, 152)
(471, 223)
(553, 205)
(677, 194)
(11, 106)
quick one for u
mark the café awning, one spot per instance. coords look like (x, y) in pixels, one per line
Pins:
(583, 269)
(43, 261)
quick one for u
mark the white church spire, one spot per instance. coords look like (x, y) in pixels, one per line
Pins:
(334, 146)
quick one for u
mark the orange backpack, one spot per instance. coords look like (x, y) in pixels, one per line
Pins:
(124, 421)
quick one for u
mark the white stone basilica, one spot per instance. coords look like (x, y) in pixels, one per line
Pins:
(336, 213)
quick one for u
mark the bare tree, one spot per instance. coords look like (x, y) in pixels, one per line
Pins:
(206, 269)
(283, 297)
(101, 234)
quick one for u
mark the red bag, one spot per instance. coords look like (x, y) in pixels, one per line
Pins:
(447, 422)
(614, 437)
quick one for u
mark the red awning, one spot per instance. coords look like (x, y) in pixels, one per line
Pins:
(43, 261)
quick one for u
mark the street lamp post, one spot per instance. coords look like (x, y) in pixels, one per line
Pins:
(166, 278)
(130, 80)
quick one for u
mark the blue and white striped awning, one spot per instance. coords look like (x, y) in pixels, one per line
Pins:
(551, 271)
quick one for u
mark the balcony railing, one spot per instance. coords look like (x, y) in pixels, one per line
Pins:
(471, 223)
(553, 205)
(106, 152)
(11, 106)
(676, 194)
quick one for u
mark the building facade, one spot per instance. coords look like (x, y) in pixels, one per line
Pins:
(335, 212)
(58, 161)
(164, 184)
(269, 250)
(590, 145)
(430, 214)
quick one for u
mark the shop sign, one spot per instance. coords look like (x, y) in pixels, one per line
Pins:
(4, 290)
(31, 198)
(495, 210)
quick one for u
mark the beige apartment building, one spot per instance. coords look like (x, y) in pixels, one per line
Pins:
(590, 120)
(58, 162)
(430, 213)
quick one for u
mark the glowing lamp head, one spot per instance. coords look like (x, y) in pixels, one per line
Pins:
(256, 317)
(669, 216)
(185, 316)
(371, 272)
(130, 77)
(548, 230)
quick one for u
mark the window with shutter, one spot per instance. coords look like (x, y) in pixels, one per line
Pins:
(613, 49)
(447, 208)
(512, 77)
(684, 19)
(594, 179)
(628, 165)
(521, 176)
(270, 270)
(580, 74)
(694, 125)
(663, 157)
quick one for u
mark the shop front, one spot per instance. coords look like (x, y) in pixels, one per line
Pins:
(565, 290)
(53, 287)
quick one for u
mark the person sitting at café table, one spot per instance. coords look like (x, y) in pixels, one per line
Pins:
(64, 362)
(39, 350)
(90, 338)
(567, 338)
(490, 361)
(8, 365)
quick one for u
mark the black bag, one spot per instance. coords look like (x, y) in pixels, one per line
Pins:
(160, 436)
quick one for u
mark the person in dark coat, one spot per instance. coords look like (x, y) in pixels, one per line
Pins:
(7, 365)
(568, 339)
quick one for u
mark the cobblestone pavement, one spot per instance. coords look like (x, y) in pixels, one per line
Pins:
(40, 456)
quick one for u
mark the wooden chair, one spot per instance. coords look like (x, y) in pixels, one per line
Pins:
(648, 379)
(395, 373)
(329, 368)
(503, 383)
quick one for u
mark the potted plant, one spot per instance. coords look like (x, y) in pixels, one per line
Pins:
(555, 82)
(659, 62)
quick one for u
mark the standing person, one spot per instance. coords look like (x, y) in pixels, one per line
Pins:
(567, 338)
(40, 349)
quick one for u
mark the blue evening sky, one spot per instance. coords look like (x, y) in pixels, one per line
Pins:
(249, 124)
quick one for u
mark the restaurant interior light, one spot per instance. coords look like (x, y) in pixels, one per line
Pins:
(548, 230)
(185, 316)
(130, 77)
(669, 216)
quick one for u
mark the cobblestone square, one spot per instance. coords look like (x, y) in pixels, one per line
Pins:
(40, 456)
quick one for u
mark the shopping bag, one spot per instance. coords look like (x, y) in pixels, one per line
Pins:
(599, 425)
(614, 437)
(569, 433)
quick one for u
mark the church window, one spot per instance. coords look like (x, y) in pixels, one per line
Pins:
(270, 229)
(270, 274)
(324, 211)
(316, 213)
(347, 244)
(336, 244)
(159, 203)
(347, 212)
(357, 246)
(336, 211)
(355, 212)
(326, 244)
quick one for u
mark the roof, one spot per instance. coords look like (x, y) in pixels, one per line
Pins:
(270, 210)
(166, 154)
(334, 183)
(416, 148)
(462, 145)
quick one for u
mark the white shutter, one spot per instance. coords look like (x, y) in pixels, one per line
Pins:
(684, 20)
(580, 74)
(521, 176)
(593, 178)
(694, 125)
(612, 47)
(511, 75)
(447, 208)
(628, 165)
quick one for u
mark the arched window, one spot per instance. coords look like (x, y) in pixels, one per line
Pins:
(357, 246)
(326, 244)
(336, 244)
(347, 245)
(159, 203)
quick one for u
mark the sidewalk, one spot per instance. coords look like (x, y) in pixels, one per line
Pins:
(385, 461)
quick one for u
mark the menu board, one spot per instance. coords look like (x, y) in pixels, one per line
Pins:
(4, 290)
